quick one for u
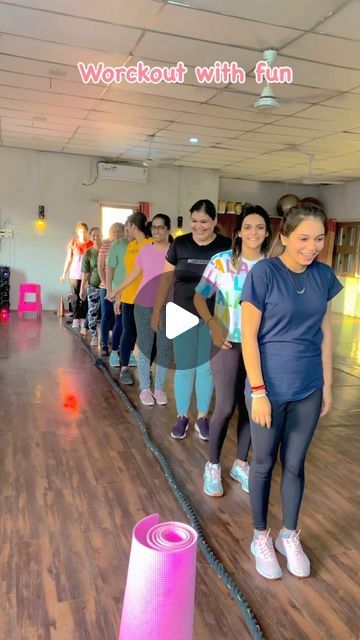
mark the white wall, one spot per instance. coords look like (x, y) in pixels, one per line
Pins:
(32, 178)
(265, 194)
(342, 201)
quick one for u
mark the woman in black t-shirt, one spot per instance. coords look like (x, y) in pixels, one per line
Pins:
(184, 265)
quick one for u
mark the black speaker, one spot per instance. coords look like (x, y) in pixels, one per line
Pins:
(4, 287)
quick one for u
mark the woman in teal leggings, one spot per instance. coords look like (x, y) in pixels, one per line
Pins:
(184, 265)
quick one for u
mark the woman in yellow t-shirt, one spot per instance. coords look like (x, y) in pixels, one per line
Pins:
(138, 230)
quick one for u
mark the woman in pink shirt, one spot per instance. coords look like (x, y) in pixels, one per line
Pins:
(150, 263)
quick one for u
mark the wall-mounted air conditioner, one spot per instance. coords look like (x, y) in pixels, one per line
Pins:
(122, 172)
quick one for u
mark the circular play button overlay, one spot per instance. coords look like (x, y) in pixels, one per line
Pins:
(183, 340)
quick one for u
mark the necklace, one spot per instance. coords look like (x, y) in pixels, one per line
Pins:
(303, 289)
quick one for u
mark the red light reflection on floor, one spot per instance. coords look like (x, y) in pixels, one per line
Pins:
(69, 397)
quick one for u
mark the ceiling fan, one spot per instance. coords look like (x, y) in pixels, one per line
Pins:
(310, 178)
(268, 99)
(151, 159)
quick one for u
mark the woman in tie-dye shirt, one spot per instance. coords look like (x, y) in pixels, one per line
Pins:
(223, 278)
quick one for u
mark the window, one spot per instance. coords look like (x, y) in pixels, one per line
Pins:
(114, 213)
(347, 249)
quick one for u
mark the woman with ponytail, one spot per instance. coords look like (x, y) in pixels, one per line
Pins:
(223, 278)
(139, 232)
(286, 332)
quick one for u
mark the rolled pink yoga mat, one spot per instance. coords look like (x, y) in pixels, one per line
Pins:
(160, 587)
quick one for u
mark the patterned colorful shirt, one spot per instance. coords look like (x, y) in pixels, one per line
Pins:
(221, 280)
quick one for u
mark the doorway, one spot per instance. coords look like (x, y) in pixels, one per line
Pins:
(114, 213)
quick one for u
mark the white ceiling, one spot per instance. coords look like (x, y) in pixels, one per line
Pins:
(44, 105)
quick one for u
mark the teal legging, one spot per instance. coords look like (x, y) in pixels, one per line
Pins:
(192, 351)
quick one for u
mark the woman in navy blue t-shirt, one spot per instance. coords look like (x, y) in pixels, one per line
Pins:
(287, 353)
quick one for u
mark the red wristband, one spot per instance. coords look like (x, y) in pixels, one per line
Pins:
(259, 388)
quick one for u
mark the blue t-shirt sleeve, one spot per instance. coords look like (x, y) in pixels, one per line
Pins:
(256, 286)
(172, 254)
(208, 283)
(334, 286)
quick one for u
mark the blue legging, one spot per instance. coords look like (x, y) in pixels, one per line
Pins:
(192, 351)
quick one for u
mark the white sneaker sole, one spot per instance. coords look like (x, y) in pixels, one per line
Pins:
(213, 495)
(180, 437)
(199, 432)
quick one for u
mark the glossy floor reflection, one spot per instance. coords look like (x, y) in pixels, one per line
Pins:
(75, 476)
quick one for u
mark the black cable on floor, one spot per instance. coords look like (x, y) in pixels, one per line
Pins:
(249, 616)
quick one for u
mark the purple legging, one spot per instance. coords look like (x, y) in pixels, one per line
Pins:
(229, 378)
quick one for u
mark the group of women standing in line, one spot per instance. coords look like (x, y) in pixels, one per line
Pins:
(263, 341)
(269, 325)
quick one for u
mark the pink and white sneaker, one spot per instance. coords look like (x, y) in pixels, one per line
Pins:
(147, 398)
(265, 557)
(160, 397)
(297, 561)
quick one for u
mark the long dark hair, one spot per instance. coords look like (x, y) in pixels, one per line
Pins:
(140, 221)
(291, 220)
(237, 242)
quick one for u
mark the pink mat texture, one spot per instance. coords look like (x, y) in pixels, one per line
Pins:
(160, 588)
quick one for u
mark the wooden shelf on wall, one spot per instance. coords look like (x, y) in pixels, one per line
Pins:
(226, 223)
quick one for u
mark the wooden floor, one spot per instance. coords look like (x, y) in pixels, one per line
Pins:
(75, 477)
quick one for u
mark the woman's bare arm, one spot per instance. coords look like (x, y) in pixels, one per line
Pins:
(250, 324)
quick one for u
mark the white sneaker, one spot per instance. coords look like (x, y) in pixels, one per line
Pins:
(76, 324)
(265, 557)
(297, 561)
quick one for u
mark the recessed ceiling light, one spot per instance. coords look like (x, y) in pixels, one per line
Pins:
(193, 140)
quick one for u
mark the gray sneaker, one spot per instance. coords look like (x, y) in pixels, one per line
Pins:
(126, 377)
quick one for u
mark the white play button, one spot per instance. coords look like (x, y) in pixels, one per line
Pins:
(178, 320)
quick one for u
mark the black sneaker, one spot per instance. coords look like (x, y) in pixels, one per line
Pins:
(104, 351)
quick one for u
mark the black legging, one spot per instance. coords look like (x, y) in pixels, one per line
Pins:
(292, 428)
(128, 335)
(79, 307)
(229, 379)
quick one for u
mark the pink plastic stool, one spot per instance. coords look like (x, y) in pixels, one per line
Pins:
(24, 306)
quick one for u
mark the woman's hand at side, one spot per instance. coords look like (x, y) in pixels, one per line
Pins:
(261, 411)
(219, 335)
